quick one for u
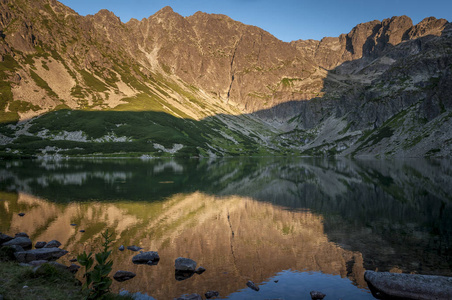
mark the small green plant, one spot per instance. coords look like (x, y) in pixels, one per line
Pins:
(97, 281)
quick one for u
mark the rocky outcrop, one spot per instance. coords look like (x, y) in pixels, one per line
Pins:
(24, 242)
(408, 286)
(40, 254)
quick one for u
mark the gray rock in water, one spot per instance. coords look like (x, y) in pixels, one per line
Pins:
(24, 242)
(316, 295)
(21, 234)
(121, 276)
(53, 244)
(121, 248)
(40, 245)
(185, 264)
(408, 286)
(252, 285)
(149, 258)
(134, 248)
(5, 238)
(200, 270)
(211, 294)
(189, 297)
(40, 254)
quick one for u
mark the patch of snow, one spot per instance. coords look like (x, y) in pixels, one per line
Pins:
(176, 147)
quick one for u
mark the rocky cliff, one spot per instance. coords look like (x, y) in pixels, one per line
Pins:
(235, 83)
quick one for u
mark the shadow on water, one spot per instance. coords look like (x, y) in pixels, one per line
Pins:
(242, 218)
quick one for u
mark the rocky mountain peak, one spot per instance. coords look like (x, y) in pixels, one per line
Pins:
(104, 15)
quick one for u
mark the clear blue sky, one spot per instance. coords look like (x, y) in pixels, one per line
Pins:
(287, 20)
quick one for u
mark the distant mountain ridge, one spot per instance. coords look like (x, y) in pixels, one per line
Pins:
(250, 92)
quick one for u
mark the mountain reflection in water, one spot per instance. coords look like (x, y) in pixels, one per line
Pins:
(289, 220)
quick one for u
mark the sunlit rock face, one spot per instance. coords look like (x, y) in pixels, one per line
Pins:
(235, 238)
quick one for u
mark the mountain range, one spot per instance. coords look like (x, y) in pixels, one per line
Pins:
(206, 85)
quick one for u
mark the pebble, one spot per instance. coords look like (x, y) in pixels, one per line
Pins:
(21, 214)
(82, 230)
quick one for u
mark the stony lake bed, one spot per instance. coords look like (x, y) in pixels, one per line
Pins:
(290, 225)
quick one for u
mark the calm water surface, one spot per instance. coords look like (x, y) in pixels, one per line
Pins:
(291, 225)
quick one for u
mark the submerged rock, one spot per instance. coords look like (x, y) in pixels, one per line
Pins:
(149, 258)
(24, 242)
(40, 254)
(185, 264)
(315, 295)
(408, 286)
(39, 245)
(252, 285)
(121, 276)
(211, 294)
(53, 244)
(134, 248)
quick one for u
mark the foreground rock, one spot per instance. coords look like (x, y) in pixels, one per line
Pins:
(315, 295)
(39, 254)
(53, 244)
(146, 258)
(185, 264)
(24, 242)
(408, 286)
(5, 238)
(121, 276)
(39, 245)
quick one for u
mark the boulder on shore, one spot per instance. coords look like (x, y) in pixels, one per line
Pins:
(408, 286)
(5, 238)
(149, 258)
(40, 254)
(39, 245)
(53, 244)
(24, 242)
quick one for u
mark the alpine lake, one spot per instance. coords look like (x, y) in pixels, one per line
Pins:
(290, 225)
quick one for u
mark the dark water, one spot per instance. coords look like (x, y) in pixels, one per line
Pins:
(291, 225)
